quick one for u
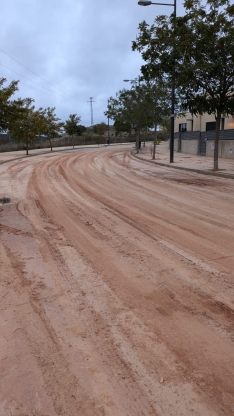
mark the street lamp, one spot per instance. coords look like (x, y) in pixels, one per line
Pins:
(133, 81)
(148, 3)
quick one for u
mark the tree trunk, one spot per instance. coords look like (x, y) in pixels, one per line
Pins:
(27, 147)
(50, 145)
(216, 144)
(138, 141)
(155, 140)
(73, 140)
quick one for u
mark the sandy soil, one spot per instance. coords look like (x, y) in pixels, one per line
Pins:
(116, 288)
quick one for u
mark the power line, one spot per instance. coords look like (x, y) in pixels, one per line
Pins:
(30, 86)
(51, 92)
(91, 108)
(33, 87)
(36, 74)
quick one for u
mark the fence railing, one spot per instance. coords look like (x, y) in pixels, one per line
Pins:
(209, 135)
(7, 144)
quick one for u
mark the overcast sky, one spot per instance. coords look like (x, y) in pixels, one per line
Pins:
(76, 49)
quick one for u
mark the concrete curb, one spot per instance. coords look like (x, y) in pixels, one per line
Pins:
(202, 172)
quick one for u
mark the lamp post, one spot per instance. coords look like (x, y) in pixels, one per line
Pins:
(133, 81)
(148, 3)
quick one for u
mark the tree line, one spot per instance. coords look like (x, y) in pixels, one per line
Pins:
(145, 105)
(197, 52)
(26, 124)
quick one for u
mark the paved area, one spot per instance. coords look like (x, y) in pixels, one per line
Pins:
(201, 164)
(20, 154)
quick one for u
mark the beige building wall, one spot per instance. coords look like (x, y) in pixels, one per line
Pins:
(190, 146)
(193, 122)
(229, 123)
(176, 143)
(226, 149)
(198, 123)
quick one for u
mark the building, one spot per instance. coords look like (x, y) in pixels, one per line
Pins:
(196, 134)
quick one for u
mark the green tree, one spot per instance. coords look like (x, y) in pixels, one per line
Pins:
(165, 126)
(80, 129)
(157, 97)
(52, 124)
(100, 129)
(128, 109)
(71, 126)
(122, 126)
(141, 107)
(198, 49)
(8, 108)
(28, 125)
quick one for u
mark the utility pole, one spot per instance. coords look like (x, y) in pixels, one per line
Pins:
(91, 108)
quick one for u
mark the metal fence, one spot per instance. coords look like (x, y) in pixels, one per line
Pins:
(208, 135)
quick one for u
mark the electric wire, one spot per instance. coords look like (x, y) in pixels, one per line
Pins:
(50, 92)
(37, 75)
(30, 86)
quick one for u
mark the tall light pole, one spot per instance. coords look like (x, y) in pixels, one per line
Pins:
(133, 81)
(148, 3)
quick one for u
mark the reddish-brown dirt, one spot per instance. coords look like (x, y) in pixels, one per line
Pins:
(116, 288)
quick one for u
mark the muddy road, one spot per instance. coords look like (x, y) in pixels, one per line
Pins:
(116, 288)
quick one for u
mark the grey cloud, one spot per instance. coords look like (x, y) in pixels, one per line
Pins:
(82, 47)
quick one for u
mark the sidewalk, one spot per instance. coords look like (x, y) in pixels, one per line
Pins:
(193, 163)
(20, 154)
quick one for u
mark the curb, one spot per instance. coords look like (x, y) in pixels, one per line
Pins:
(202, 172)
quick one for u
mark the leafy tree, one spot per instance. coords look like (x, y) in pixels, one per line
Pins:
(71, 126)
(52, 126)
(128, 109)
(157, 97)
(198, 49)
(100, 128)
(165, 126)
(28, 124)
(80, 129)
(122, 126)
(141, 107)
(8, 108)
